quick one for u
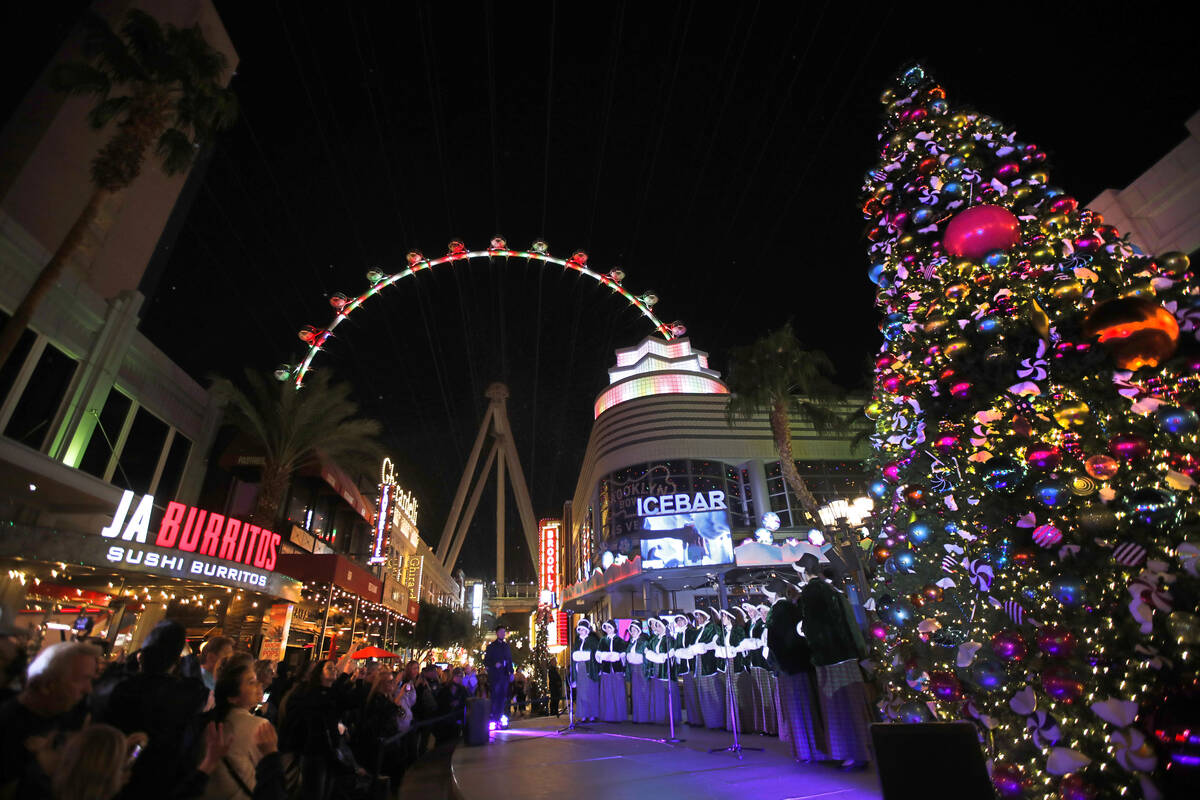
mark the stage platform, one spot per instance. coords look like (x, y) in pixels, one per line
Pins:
(613, 761)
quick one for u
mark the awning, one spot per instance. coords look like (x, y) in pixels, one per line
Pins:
(331, 568)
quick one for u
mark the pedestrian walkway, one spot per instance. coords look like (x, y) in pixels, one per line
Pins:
(615, 762)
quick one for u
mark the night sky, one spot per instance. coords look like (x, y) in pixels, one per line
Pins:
(712, 151)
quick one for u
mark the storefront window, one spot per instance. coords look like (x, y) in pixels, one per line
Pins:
(104, 436)
(168, 484)
(35, 411)
(827, 480)
(297, 504)
(8, 373)
(140, 454)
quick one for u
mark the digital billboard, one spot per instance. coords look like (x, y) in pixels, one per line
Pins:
(671, 514)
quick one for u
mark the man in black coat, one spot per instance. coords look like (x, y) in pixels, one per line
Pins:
(499, 662)
(555, 690)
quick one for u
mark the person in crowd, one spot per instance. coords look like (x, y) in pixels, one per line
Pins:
(425, 707)
(312, 730)
(214, 653)
(790, 658)
(252, 740)
(554, 690)
(639, 673)
(12, 662)
(585, 671)
(611, 657)
(376, 742)
(452, 705)
(520, 688)
(837, 645)
(498, 660)
(470, 680)
(57, 681)
(94, 763)
(148, 696)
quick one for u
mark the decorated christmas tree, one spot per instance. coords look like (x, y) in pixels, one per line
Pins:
(1036, 442)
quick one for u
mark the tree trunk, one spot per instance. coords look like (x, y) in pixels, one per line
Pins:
(782, 431)
(271, 491)
(50, 273)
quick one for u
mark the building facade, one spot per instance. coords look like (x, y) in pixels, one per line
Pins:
(669, 489)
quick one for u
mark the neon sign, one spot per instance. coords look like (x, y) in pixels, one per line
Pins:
(194, 530)
(548, 554)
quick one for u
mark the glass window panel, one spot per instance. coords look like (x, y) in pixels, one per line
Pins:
(31, 419)
(8, 373)
(104, 435)
(168, 484)
(139, 456)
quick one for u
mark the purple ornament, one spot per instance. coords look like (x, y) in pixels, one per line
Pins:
(1009, 645)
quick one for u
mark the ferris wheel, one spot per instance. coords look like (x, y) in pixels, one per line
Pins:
(538, 252)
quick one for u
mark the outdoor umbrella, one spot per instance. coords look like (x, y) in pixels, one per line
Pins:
(373, 652)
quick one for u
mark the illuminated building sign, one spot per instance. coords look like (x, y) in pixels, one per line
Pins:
(410, 575)
(397, 508)
(656, 367)
(189, 530)
(477, 604)
(680, 503)
(548, 530)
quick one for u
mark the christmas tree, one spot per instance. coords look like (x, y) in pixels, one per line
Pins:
(1036, 442)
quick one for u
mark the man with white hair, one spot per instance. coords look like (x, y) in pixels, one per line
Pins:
(56, 681)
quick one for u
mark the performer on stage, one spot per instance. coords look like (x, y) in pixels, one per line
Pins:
(837, 645)
(788, 653)
(731, 664)
(611, 656)
(499, 662)
(753, 647)
(639, 673)
(585, 672)
(709, 677)
(766, 688)
(741, 646)
(660, 666)
(683, 639)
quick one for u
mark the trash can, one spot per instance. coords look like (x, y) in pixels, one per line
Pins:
(476, 732)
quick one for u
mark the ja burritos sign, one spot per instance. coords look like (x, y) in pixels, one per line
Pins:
(191, 542)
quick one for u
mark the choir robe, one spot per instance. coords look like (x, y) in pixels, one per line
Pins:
(765, 713)
(684, 642)
(611, 657)
(837, 645)
(639, 678)
(731, 656)
(585, 673)
(661, 669)
(799, 707)
(710, 680)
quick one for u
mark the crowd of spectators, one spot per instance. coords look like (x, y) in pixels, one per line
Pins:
(168, 724)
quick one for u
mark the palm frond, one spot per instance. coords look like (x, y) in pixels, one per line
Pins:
(175, 150)
(102, 44)
(76, 77)
(107, 109)
(148, 44)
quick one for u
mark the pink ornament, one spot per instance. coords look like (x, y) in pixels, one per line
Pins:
(978, 230)
(1009, 645)
(1046, 535)
(1044, 456)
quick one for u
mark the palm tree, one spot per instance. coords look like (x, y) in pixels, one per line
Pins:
(777, 375)
(295, 429)
(162, 86)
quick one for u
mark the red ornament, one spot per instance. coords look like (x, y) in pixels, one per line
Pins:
(1046, 536)
(1060, 682)
(1128, 446)
(1008, 779)
(1009, 645)
(945, 685)
(1056, 641)
(1136, 331)
(1074, 787)
(980, 229)
(1044, 456)
(914, 496)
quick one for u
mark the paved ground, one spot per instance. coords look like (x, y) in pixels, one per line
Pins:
(613, 762)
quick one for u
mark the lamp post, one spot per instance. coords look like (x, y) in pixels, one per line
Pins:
(841, 518)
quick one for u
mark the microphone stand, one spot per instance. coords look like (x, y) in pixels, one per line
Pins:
(571, 727)
(731, 705)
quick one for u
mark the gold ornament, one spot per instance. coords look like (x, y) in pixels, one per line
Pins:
(1082, 486)
(956, 347)
(1067, 290)
(1072, 415)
